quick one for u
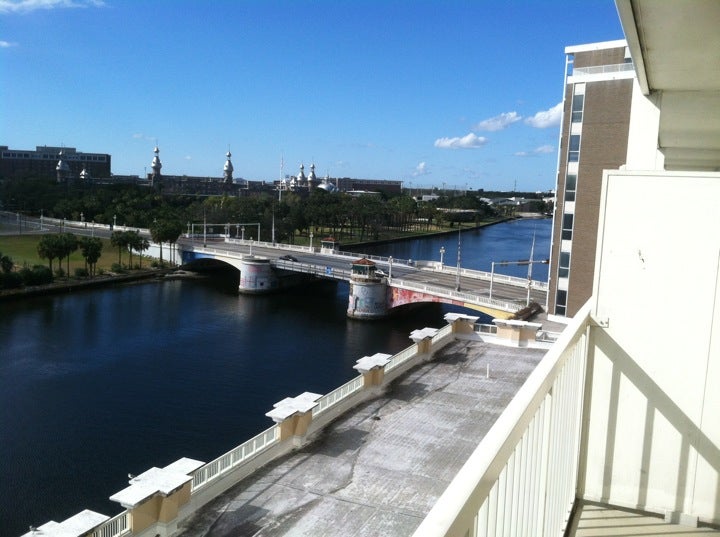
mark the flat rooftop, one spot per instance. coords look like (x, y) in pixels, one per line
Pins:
(378, 469)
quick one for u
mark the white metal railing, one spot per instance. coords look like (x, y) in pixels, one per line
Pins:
(401, 357)
(214, 469)
(337, 395)
(116, 526)
(522, 477)
(600, 69)
(460, 295)
(496, 277)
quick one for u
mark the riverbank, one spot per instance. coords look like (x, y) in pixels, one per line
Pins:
(67, 286)
(425, 235)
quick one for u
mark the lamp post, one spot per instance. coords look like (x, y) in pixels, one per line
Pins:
(311, 238)
(242, 237)
(204, 230)
(492, 274)
(188, 231)
(442, 256)
(457, 274)
(82, 219)
(390, 260)
(114, 220)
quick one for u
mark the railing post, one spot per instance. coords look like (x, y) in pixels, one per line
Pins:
(154, 498)
(423, 339)
(294, 415)
(461, 323)
(372, 369)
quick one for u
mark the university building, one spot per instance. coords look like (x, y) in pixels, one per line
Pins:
(43, 162)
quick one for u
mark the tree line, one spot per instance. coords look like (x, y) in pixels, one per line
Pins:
(347, 217)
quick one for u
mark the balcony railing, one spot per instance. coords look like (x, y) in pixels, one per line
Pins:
(521, 479)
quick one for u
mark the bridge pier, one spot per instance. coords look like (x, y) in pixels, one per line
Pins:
(368, 293)
(256, 275)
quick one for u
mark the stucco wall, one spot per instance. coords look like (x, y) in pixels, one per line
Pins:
(654, 431)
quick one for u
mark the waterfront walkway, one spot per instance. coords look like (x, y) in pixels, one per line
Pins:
(379, 468)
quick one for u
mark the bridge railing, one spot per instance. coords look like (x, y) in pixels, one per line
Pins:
(459, 295)
(496, 278)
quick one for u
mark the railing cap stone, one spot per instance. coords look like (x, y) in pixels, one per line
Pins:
(367, 363)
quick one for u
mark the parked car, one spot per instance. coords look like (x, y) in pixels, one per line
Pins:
(380, 273)
(288, 257)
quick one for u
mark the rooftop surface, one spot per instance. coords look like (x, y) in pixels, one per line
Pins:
(378, 469)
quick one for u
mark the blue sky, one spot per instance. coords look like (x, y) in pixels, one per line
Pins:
(430, 92)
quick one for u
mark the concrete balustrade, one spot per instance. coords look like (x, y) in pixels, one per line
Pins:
(158, 500)
(518, 332)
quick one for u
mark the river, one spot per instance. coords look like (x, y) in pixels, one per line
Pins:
(98, 384)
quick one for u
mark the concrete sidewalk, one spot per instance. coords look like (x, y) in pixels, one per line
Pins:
(379, 469)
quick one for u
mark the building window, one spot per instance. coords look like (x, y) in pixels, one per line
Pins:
(574, 150)
(567, 227)
(560, 302)
(577, 108)
(570, 182)
(564, 265)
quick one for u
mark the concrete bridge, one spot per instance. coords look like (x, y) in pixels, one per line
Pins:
(378, 285)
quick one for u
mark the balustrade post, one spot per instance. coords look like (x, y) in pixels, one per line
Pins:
(154, 498)
(294, 415)
(461, 323)
(423, 339)
(372, 369)
(519, 332)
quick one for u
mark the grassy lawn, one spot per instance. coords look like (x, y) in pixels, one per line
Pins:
(23, 251)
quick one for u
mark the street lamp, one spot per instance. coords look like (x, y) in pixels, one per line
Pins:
(390, 260)
(242, 237)
(442, 256)
(114, 220)
(82, 219)
(311, 238)
(457, 274)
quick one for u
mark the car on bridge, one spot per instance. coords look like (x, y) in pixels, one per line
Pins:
(288, 257)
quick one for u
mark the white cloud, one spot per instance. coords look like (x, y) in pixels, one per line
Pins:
(188, 157)
(542, 150)
(546, 118)
(421, 169)
(499, 122)
(26, 6)
(468, 141)
(7, 44)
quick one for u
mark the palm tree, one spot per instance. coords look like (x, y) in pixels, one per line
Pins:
(119, 239)
(6, 263)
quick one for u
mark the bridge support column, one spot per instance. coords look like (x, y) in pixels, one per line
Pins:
(256, 275)
(367, 300)
(293, 416)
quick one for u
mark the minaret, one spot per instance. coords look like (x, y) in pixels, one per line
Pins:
(156, 167)
(312, 179)
(84, 175)
(301, 179)
(228, 170)
(62, 169)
